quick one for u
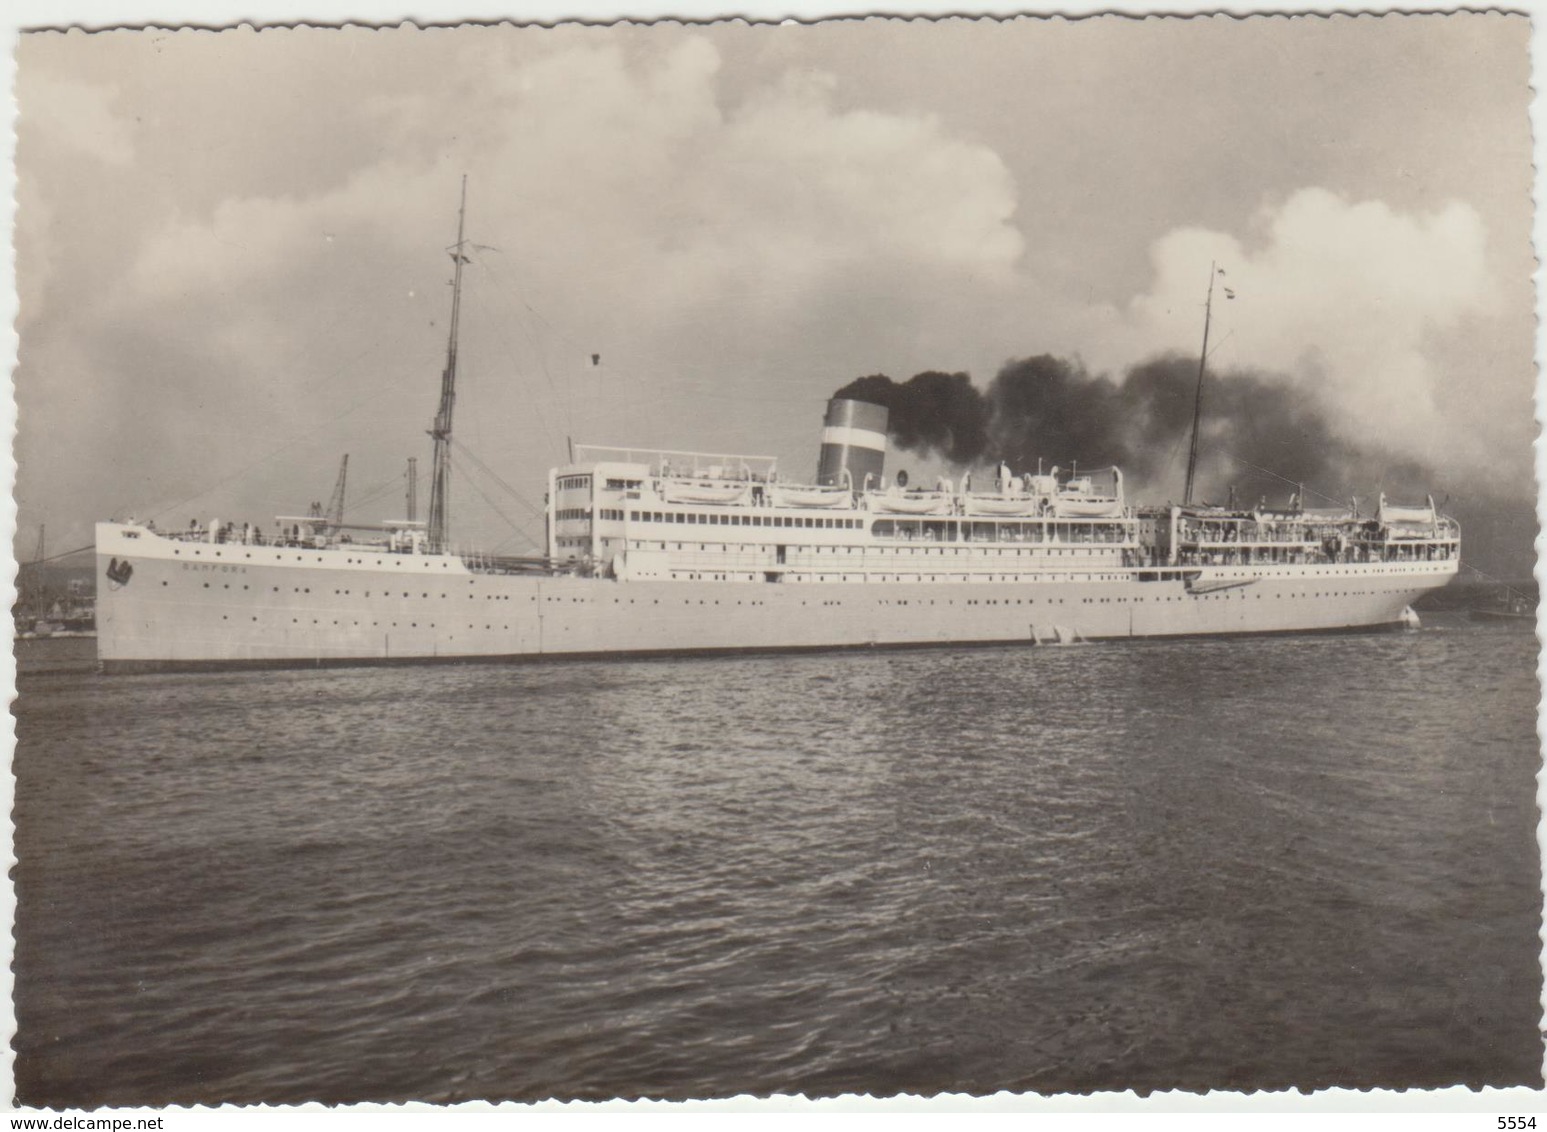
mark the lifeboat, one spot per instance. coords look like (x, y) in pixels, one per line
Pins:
(913, 503)
(811, 496)
(1407, 522)
(1002, 504)
(1084, 507)
(704, 492)
(1327, 515)
(1080, 499)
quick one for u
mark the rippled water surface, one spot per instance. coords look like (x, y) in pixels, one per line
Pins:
(1233, 863)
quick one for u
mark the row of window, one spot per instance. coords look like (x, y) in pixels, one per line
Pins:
(574, 483)
(395, 559)
(937, 531)
(874, 553)
(367, 593)
(980, 530)
(376, 624)
(732, 519)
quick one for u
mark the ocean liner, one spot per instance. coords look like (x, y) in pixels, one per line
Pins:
(651, 552)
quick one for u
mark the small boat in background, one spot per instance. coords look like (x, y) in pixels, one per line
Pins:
(51, 603)
(1510, 605)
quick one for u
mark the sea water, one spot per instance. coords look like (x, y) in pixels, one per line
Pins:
(1233, 863)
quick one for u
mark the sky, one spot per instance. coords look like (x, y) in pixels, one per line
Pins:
(232, 270)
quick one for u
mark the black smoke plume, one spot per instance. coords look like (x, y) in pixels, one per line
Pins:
(1259, 435)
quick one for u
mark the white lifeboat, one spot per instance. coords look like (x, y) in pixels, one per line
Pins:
(1085, 507)
(911, 503)
(1001, 504)
(811, 496)
(692, 492)
(1079, 499)
(1408, 522)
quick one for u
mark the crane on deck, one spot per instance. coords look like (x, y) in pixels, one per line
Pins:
(333, 518)
(335, 515)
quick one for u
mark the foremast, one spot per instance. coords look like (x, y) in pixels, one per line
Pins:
(440, 473)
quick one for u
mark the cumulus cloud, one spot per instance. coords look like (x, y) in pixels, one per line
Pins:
(1350, 300)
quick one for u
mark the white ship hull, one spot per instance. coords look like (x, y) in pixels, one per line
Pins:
(196, 604)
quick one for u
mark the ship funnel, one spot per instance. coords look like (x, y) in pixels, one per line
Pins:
(853, 440)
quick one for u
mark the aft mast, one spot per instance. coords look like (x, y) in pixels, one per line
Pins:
(440, 474)
(1197, 404)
